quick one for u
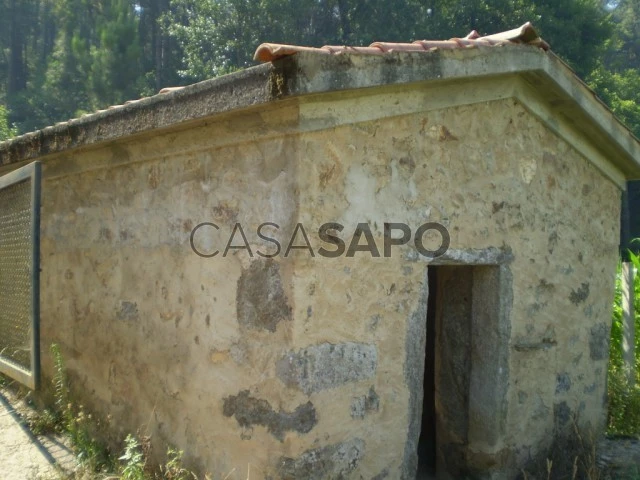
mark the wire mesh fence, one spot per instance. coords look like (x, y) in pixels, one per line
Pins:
(19, 203)
(15, 273)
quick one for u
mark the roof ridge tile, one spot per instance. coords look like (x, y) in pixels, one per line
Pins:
(523, 35)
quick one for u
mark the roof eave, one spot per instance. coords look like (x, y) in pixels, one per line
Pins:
(239, 90)
(308, 73)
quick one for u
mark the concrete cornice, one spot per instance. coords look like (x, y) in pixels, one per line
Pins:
(548, 87)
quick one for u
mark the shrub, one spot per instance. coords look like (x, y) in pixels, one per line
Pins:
(623, 396)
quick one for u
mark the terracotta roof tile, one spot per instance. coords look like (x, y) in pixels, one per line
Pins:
(525, 35)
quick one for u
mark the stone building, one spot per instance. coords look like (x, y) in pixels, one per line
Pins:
(465, 340)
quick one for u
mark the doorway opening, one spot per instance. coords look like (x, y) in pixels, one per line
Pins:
(464, 357)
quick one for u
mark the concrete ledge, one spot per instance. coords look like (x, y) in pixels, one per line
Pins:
(230, 92)
(308, 74)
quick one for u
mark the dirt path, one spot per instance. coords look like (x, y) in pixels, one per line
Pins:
(23, 456)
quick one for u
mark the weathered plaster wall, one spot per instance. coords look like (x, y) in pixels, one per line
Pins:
(496, 178)
(306, 367)
(149, 330)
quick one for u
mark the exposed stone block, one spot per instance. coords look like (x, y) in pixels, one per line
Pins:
(250, 411)
(261, 302)
(360, 406)
(334, 461)
(324, 366)
(599, 342)
(563, 383)
(580, 295)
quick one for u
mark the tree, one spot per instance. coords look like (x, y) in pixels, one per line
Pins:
(6, 131)
(218, 36)
(60, 58)
(617, 74)
(20, 16)
(161, 55)
(89, 58)
(17, 26)
(214, 34)
(114, 63)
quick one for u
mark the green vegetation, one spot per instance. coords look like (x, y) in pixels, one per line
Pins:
(63, 58)
(72, 420)
(82, 429)
(134, 464)
(632, 473)
(624, 398)
(133, 459)
(6, 131)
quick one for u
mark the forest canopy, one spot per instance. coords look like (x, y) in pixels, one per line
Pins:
(62, 58)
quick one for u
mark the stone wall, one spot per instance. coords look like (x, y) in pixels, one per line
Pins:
(496, 178)
(311, 367)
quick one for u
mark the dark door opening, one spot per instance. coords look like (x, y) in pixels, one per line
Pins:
(447, 374)
(427, 442)
(463, 323)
